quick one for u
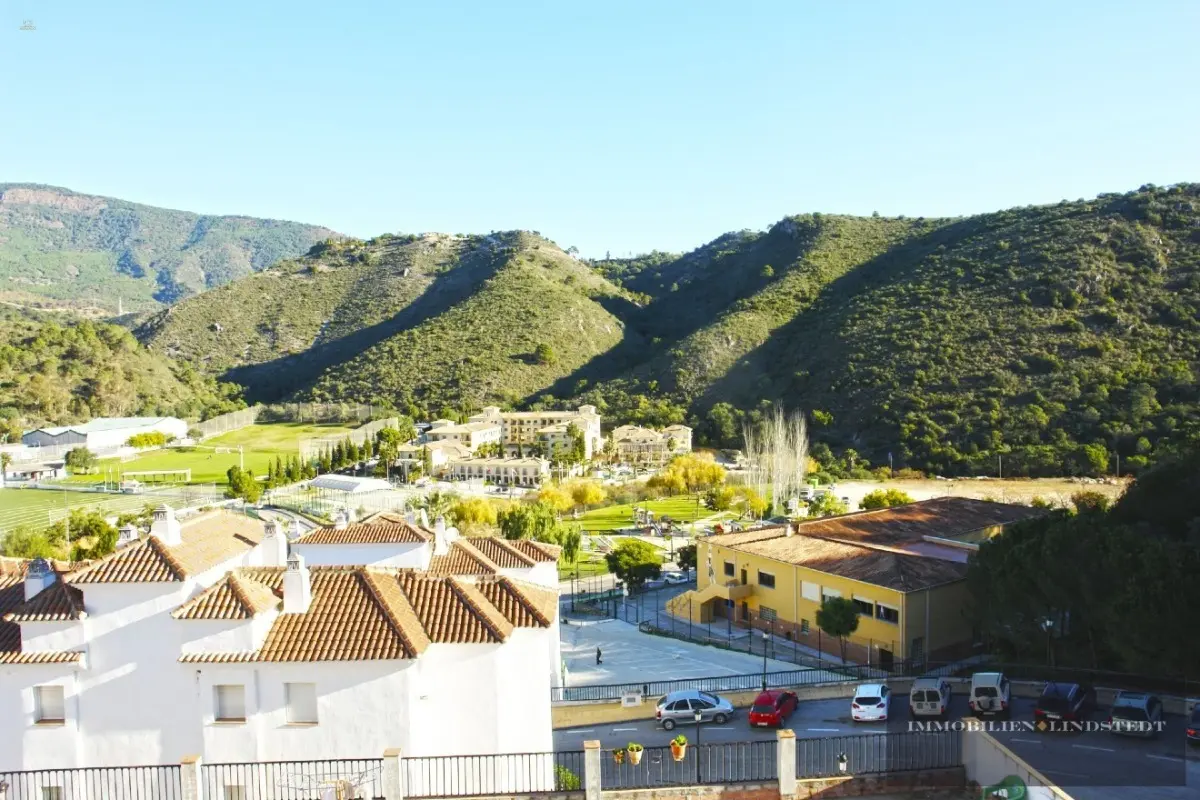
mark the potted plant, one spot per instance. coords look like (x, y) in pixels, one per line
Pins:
(679, 747)
(619, 756)
(635, 752)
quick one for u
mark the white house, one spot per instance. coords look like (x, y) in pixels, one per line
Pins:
(106, 433)
(471, 435)
(207, 637)
(529, 471)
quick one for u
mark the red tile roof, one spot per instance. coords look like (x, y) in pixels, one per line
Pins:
(381, 530)
(58, 602)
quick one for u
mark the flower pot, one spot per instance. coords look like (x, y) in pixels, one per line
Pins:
(678, 751)
(619, 756)
(635, 756)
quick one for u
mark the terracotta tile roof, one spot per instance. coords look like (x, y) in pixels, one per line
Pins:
(945, 517)
(207, 541)
(735, 538)
(12, 597)
(56, 603)
(538, 551)
(463, 559)
(501, 552)
(383, 530)
(234, 597)
(365, 613)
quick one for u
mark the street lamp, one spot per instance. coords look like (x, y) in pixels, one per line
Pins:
(697, 716)
(766, 638)
(1047, 625)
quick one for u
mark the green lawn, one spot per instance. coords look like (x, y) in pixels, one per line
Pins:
(40, 507)
(260, 445)
(611, 518)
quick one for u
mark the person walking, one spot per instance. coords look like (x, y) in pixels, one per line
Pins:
(599, 660)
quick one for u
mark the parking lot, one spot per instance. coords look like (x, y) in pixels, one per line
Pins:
(1093, 765)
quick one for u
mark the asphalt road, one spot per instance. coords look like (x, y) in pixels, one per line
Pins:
(1159, 767)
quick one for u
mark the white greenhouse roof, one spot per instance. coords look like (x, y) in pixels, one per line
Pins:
(347, 483)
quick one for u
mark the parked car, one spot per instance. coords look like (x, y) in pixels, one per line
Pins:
(681, 706)
(1067, 702)
(929, 697)
(1193, 728)
(1136, 714)
(990, 694)
(772, 708)
(674, 578)
(871, 703)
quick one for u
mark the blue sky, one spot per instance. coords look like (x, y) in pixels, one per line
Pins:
(611, 126)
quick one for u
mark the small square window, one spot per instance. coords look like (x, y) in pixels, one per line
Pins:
(729, 568)
(804, 626)
(301, 703)
(229, 702)
(887, 614)
(767, 614)
(49, 704)
(865, 607)
(766, 579)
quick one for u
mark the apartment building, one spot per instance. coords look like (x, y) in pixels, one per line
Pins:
(209, 637)
(640, 446)
(530, 471)
(470, 435)
(904, 567)
(521, 429)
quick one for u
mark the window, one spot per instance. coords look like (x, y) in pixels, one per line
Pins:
(887, 614)
(729, 568)
(804, 627)
(301, 703)
(810, 591)
(766, 579)
(52, 793)
(767, 614)
(48, 704)
(827, 593)
(230, 702)
(865, 607)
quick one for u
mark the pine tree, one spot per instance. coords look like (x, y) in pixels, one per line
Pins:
(280, 473)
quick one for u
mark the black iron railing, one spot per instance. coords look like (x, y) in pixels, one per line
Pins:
(94, 783)
(293, 780)
(878, 752)
(505, 774)
(726, 762)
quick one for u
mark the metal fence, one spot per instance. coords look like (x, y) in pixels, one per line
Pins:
(234, 420)
(513, 773)
(717, 683)
(878, 752)
(692, 765)
(97, 783)
(322, 412)
(312, 448)
(294, 780)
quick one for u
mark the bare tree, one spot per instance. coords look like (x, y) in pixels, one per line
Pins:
(777, 455)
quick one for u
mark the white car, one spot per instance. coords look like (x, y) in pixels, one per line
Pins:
(871, 703)
(674, 578)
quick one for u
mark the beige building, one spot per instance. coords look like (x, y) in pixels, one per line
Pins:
(520, 429)
(440, 453)
(471, 435)
(501, 471)
(645, 446)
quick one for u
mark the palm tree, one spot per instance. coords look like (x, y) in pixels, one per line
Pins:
(5, 460)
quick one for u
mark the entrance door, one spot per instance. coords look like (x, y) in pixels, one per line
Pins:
(745, 611)
(743, 576)
(886, 659)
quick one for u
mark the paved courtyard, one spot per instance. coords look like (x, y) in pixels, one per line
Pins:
(630, 656)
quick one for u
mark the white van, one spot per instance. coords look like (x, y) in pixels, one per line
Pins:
(990, 694)
(929, 697)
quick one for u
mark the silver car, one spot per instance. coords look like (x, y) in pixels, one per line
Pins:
(680, 708)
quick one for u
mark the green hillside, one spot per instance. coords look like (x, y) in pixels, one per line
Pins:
(1052, 337)
(54, 371)
(62, 249)
(420, 322)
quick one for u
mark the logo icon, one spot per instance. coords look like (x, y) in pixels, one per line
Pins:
(1011, 788)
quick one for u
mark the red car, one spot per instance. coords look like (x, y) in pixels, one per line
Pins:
(772, 708)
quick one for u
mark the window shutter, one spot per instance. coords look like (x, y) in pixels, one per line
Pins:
(50, 704)
(301, 703)
(230, 702)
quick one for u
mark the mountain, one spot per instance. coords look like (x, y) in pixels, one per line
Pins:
(1039, 340)
(422, 322)
(62, 249)
(58, 370)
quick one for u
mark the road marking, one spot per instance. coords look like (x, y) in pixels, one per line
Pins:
(619, 730)
(1068, 774)
(720, 729)
(581, 730)
(1164, 758)
(1026, 741)
(1089, 747)
(825, 730)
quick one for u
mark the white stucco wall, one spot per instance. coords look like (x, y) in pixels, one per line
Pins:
(414, 556)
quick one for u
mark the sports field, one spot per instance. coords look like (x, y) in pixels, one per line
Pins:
(260, 444)
(39, 508)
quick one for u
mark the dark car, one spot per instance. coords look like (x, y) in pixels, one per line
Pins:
(1064, 702)
(772, 708)
(1193, 728)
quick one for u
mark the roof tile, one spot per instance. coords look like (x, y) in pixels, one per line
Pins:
(379, 531)
(58, 602)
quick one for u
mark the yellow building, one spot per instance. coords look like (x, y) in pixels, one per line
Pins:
(904, 567)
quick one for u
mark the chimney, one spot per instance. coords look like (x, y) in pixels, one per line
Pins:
(165, 526)
(126, 534)
(274, 545)
(411, 518)
(297, 586)
(341, 520)
(294, 530)
(424, 519)
(38, 575)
